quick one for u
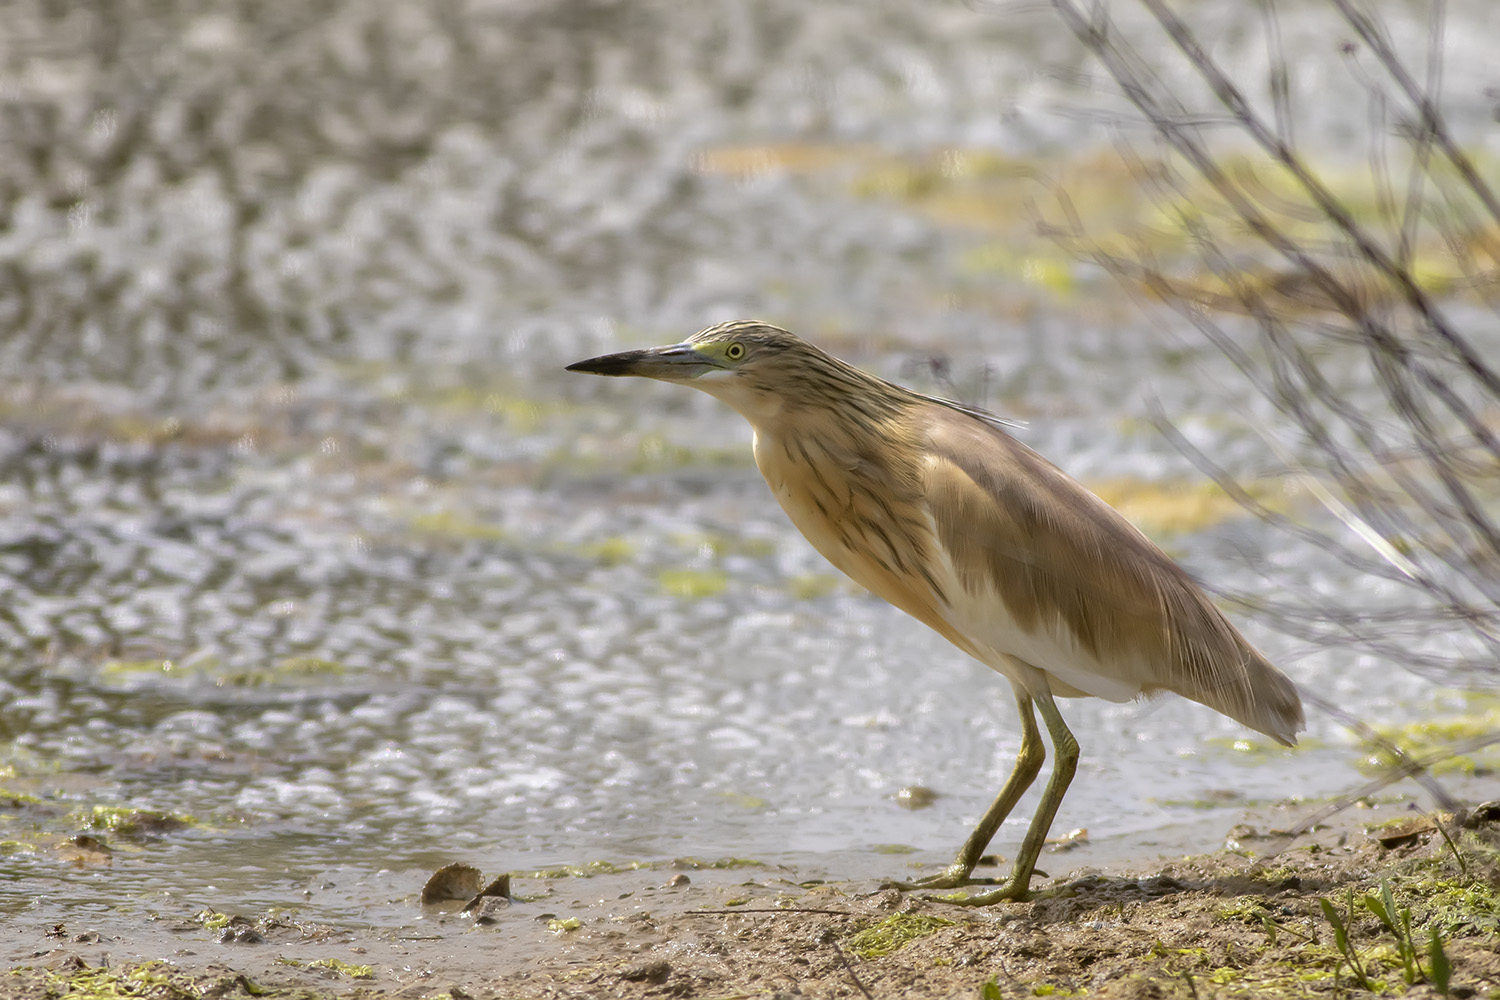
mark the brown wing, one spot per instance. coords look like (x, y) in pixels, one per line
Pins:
(1064, 562)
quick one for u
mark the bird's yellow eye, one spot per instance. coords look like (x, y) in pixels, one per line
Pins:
(734, 352)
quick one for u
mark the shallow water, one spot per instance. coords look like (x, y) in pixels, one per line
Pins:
(304, 532)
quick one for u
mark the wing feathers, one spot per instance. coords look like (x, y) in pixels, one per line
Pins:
(1069, 567)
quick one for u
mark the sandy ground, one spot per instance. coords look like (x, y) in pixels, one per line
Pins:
(1214, 925)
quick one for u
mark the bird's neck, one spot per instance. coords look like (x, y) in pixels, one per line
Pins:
(764, 410)
(801, 449)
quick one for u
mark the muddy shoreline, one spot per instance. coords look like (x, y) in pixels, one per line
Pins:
(1221, 924)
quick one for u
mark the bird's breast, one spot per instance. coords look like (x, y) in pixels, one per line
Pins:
(809, 487)
(866, 518)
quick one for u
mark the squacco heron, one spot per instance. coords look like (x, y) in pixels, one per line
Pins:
(931, 505)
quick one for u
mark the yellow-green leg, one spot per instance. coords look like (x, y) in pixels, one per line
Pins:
(1064, 763)
(1028, 763)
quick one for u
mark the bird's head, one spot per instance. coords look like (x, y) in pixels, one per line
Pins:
(751, 366)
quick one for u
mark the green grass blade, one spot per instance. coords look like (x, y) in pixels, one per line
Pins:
(1437, 960)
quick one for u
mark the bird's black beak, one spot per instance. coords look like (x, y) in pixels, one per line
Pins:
(674, 363)
(624, 363)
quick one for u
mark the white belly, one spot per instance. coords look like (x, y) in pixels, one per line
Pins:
(1052, 649)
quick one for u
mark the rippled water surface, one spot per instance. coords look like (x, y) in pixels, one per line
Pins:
(305, 534)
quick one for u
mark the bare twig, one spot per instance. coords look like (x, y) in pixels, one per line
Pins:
(849, 968)
(1411, 488)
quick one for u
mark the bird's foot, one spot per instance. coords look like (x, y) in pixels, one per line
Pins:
(1011, 891)
(952, 877)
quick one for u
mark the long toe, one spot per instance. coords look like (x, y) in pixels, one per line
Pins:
(954, 877)
(1010, 892)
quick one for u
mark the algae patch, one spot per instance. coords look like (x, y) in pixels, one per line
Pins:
(610, 551)
(1183, 508)
(146, 979)
(11, 799)
(693, 584)
(744, 801)
(308, 666)
(343, 970)
(455, 527)
(811, 586)
(289, 670)
(1045, 214)
(1477, 716)
(213, 920)
(586, 870)
(894, 849)
(893, 933)
(1255, 751)
(124, 821)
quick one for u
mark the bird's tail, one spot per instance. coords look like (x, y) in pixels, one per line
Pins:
(1262, 697)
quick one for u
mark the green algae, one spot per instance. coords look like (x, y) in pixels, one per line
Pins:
(1477, 717)
(741, 800)
(1419, 906)
(127, 821)
(338, 967)
(288, 670)
(155, 979)
(11, 799)
(894, 849)
(1454, 904)
(309, 666)
(116, 668)
(721, 864)
(693, 584)
(343, 970)
(1164, 508)
(1252, 750)
(587, 870)
(893, 933)
(610, 551)
(213, 920)
(811, 586)
(1041, 215)
(453, 526)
